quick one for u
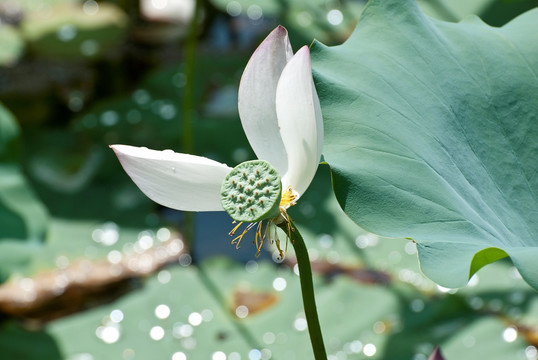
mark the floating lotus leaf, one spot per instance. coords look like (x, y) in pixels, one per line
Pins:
(432, 134)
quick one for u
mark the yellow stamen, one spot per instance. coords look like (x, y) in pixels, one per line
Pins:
(259, 239)
(232, 233)
(288, 199)
(237, 239)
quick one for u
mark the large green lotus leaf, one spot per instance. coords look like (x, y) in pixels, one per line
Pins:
(270, 327)
(431, 133)
(400, 322)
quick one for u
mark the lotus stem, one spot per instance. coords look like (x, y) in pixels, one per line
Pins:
(307, 290)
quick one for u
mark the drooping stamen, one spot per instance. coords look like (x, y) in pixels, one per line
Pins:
(237, 240)
(259, 239)
(288, 220)
(232, 233)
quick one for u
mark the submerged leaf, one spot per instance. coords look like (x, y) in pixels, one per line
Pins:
(432, 132)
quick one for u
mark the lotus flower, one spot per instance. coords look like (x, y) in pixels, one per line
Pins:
(281, 116)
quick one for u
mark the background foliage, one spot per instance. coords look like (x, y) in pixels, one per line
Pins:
(88, 260)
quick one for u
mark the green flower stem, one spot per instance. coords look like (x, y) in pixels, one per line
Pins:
(307, 290)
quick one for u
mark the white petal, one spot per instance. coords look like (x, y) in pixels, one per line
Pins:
(178, 181)
(257, 98)
(300, 121)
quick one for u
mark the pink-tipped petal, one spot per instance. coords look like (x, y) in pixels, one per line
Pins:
(178, 181)
(300, 121)
(257, 91)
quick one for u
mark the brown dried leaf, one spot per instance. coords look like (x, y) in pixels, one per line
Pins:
(54, 293)
(359, 274)
(254, 301)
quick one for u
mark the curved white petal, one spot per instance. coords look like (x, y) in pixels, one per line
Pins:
(178, 181)
(257, 98)
(300, 121)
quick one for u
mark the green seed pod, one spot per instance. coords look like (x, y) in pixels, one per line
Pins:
(251, 191)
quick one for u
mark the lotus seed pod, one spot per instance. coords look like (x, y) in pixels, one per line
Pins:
(251, 192)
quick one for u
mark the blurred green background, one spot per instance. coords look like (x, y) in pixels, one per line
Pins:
(92, 269)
